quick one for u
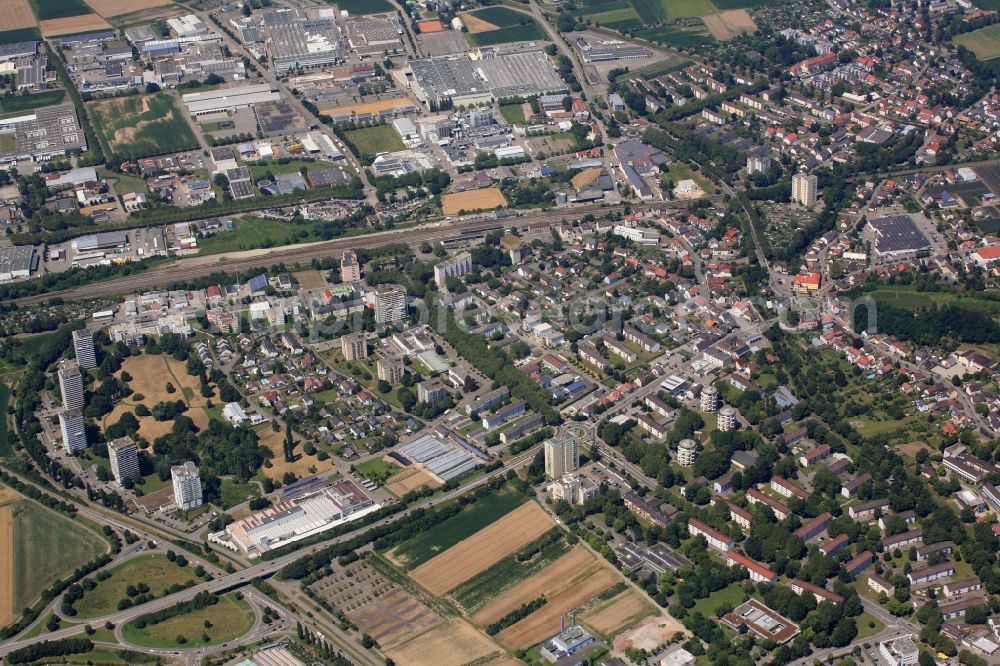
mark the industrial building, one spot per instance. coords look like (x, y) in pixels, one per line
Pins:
(40, 135)
(291, 520)
(297, 42)
(520, 74)
(451, 78)
(229, 99)
(895, 237)
(606, 50)
(17, 262)
(444, 454)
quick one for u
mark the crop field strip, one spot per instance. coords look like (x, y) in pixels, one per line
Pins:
(115, 8)
(16, 15)
(479, 552)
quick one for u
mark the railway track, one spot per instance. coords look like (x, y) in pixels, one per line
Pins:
(195, 267)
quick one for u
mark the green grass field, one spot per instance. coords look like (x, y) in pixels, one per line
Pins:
(16, 103)
(513, 113)
(291, 166)
(230, 618)
(53, 9)
(517, 33)
(250, 233)
(502, 17)
(503, 575)
(47, 546)
(864, 631)
(156, 571)
(904, 296)
(6, 450)
(377, 470)
(233, 492)
(376, 139)
(679, 9)
(680, 36)
(141, 126)
(355, 7)
(989, 5)
(985, 42)
(731, 595)
(470, 520)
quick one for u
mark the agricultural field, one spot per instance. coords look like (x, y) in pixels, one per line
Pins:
(567, 584)
(13, 35)
(486, 198)
(113, 8)
(375, 139)
(453, 643)
(151, 373)
(425, 546)
(499, 25)
(618, 613)
(70, 25)
(46, 10)
(230, 618)
(689, 34)
(37, 546)
(156, 571)
(730, 23)
(473, 555)
(985, 42)
(17, 15)
(141, 126)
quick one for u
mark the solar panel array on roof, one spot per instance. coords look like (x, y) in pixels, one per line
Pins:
(258, 283)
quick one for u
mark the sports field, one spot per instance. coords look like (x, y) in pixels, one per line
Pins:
(985, 42)
(229, 619)
(487, 198)
(141, 126)
(44, 546)
(477, 553)
(156, 571)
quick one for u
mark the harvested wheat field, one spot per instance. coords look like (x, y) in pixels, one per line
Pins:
(728, 24)
(16, 15)
(303, 465)
(7, 613)
(409, 479)
(476, 24)
(109, 8)
(453, 643)
(649, 633)
(487, 198)
(489, 545)
(70, 25)
(618, 613)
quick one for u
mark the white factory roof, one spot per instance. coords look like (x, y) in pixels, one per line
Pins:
(225, 98)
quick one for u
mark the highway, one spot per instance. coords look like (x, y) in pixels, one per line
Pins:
(226, 582)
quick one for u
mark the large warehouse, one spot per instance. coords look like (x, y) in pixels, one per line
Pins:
(436, 80)
(896, 237)
(228, 99)
(17, 262)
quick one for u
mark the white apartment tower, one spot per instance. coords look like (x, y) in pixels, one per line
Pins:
(390, 304)
(709, 399)
(71, 385)
(389, 369)
(350, 269)
(686, 452)
(758, 163)
(83, 345)
(187, 485)
(455, 267)
(804, 189)
(727, 418)
(124, 459)
(73, 433)
(354, 347)
(562, 455)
